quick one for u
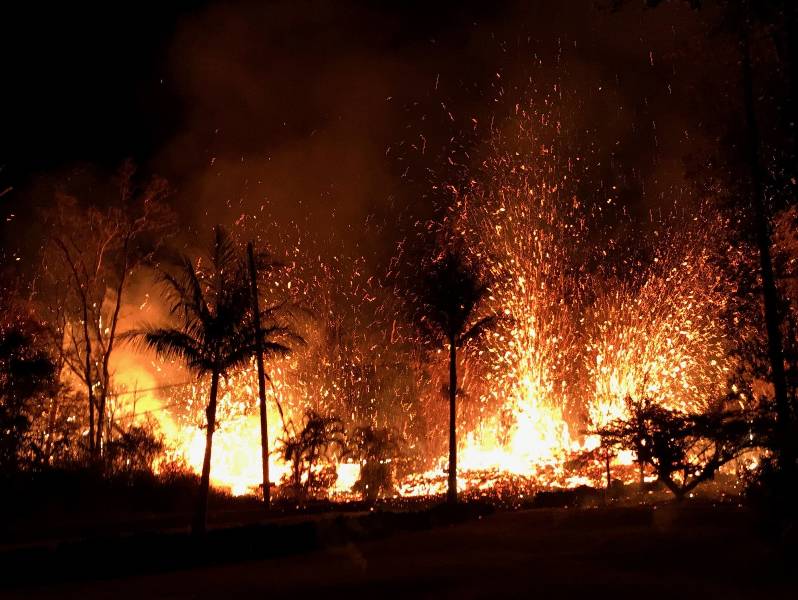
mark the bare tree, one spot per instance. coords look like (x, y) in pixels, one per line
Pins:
(90, 256)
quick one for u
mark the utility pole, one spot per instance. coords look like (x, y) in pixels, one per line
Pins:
(264, 432)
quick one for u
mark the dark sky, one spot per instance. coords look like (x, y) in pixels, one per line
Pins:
(320, 107)
(86, 82)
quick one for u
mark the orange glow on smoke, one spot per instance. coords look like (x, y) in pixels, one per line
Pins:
(578, 342)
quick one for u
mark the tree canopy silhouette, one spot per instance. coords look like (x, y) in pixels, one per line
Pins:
(213, 331)
(683, 449)
(448, 299)
(321, 436)
(26, 371)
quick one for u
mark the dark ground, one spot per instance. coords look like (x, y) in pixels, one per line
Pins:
(642, 552)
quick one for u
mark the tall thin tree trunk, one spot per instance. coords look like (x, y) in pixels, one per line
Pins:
(201, 516)
(106, 376)
(264, 431)
(89, 386)
(451, 495)
(82, 291)
(641, 469)
(769, 290)
(98, 442)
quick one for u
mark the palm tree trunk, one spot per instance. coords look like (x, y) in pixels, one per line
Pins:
(106, 375)
(200, 518)
(264, 431)
(451, 495)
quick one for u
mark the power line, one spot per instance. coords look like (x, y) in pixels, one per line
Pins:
(152, 389)
(152, 410)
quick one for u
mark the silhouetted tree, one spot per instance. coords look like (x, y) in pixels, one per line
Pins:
(683, 449)
(133, 449)
(91, 255)
(214, 332)
(321, 437)
(266, 331)
(784, 444)
(450, 293)
(27, 371)
(743, 19)
(375, 448)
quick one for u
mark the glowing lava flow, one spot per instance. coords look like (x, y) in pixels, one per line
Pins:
(583, 333)
(586, 326)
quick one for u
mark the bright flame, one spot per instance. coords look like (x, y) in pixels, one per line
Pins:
(588, 327)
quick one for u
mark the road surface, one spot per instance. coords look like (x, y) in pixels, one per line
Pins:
(663, 553)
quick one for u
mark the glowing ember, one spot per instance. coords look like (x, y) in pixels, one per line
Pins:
(583, 329)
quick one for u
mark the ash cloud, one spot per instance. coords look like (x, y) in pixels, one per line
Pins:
(319, 109)
(334, 113)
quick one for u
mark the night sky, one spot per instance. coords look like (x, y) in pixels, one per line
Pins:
(347, 109)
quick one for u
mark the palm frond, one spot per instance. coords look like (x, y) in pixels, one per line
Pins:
(480, 328)
(281, 335)
(170, 343)
(451, 289)
(213, 306)
(273, 349)
(224, 254)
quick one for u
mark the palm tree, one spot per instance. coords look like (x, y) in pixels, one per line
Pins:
(450, 295)
(214, 333)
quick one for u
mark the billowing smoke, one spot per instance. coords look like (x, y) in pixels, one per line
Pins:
(339, 134)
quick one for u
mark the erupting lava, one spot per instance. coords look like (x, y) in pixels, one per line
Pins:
(584, 329)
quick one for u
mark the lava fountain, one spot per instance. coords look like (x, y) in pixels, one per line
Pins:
(588, 324)
(589, 320)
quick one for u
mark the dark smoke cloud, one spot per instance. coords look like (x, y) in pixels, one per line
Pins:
(312, 106)
(320, 109)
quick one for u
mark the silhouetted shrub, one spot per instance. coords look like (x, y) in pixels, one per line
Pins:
(683, 449)
(321, 438)
(376, 449)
